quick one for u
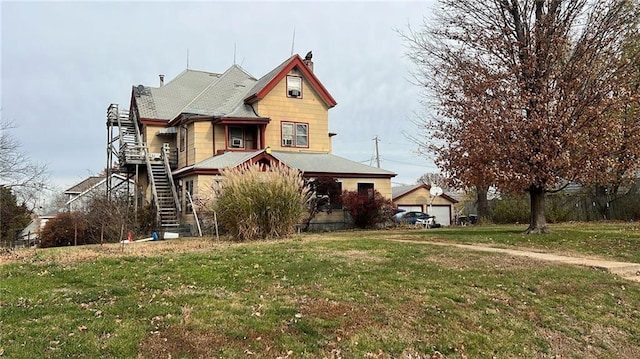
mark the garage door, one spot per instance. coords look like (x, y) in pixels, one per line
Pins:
(442, 213)
(410, 208)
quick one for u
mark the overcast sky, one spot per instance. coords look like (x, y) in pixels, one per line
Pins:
(63, 63)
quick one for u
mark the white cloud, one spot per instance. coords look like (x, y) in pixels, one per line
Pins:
(64, 63)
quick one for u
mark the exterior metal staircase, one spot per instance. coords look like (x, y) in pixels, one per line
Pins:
(165, 202)
(133, 152)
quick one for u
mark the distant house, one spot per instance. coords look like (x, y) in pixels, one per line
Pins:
(177, 137)
(417, 198)
(30, 235)
(79, 195)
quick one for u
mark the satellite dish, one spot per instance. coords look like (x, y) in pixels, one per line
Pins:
(435, 191)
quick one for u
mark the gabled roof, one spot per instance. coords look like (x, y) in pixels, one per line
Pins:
(327, 163)
(401, 191)
(312, 164)
(229, 94)
(84, 185)
(91, 183)
(167, 102)
(224, 96)
(267, 82)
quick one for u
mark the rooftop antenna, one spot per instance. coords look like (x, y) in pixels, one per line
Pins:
(234, 53)
(293, 40)
(187, 58)
(377, 152)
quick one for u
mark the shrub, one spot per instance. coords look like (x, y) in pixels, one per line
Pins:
(324, 196)
(516, 209)
(511, 209)
(146, 220)
(65, 229)
(559, 208)
(254, 201)
(367, 210)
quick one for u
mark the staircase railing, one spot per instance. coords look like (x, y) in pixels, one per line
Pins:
(167, 168)
(195, 213)
(121, 116)
(152, 183)
(140, 151)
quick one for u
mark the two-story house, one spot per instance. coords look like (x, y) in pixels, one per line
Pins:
(177, 137)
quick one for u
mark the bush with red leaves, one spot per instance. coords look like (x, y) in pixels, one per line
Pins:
(367, 209)
(65, 229)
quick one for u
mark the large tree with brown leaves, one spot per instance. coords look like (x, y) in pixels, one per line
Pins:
(526, 92)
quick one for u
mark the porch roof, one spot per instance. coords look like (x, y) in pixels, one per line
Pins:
(324, 163)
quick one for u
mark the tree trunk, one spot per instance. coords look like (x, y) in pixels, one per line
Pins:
(483, 202)
(538, 222)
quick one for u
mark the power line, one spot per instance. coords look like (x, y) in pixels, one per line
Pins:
(407, 163)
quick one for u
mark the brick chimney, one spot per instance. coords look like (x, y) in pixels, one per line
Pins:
(307, 60)
(161, 80)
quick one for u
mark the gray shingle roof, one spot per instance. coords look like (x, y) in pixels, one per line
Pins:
(168, 101)
(399, 191)
(224, 96)
(228, 159)
(303, 161)
(325, 162)
(84, 185)
(198, 93)
(204, 93)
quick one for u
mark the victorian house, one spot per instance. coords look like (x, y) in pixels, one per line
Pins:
(177, 137)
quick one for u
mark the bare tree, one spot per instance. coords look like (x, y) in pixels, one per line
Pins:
(434, 179)
(524, 92)
(17, 172)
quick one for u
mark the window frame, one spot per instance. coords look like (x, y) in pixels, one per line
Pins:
(183, 138)
(231, 137)
(294, 134)
(294, 85)
(367, 188)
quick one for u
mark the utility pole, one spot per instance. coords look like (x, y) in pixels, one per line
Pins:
(377, 153)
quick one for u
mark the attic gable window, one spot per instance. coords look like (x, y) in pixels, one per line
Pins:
(294, 86)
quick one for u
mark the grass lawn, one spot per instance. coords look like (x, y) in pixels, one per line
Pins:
(614, 241)
(347, 294)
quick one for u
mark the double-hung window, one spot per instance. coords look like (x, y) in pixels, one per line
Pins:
(366, 188)
(295, 134)
(236, 137)
(294, 86)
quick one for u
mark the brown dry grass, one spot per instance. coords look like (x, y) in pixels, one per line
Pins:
(370, 318)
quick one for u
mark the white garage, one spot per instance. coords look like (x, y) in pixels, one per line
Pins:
(442, 213)
(418, 198)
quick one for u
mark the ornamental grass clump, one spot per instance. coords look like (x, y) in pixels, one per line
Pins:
(255, 202)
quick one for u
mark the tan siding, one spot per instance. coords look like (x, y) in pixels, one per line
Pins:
(182, 152)
(382, 185)
(154, 143)
(336, 215)
(421, 196)
(191, 150)
(309, 109)
(203, 135)
(219, 137)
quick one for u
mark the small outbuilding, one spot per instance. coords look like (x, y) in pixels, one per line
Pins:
(418, 198)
